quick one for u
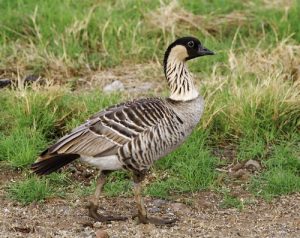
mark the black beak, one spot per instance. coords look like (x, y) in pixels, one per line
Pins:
(204, 51)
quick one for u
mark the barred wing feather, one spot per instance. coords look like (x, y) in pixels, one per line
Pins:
(110, 129)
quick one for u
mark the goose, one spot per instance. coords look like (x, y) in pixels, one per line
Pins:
(133, 135)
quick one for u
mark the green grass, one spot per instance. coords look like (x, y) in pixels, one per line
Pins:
(106, 33)
(282, 174)
(118, 183)
(34, 120)
(36, 189)
(251, 86)
(21, 147)
(30, 190)
(230, 201)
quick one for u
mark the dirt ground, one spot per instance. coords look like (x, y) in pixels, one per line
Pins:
(202, 217)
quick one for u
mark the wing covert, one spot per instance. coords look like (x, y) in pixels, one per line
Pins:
(110, 129)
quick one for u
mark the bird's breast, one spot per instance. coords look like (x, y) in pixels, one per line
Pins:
(190, 112)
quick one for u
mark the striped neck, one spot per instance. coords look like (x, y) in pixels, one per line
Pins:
(179, 79)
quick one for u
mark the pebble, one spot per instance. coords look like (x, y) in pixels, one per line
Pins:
(87, 233)
(97, 224)
(114, 86)
(101, 234)
(252, 165)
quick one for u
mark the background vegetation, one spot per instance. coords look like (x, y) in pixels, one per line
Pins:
(251, 87)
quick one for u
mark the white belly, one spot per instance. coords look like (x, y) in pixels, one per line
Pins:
(103, 163)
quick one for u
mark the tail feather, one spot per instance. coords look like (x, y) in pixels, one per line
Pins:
(52, 163)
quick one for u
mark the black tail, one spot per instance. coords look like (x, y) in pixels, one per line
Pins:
(52, 163)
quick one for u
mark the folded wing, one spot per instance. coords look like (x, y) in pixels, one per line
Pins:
(105, 132)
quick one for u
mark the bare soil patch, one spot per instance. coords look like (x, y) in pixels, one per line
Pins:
(199, 215)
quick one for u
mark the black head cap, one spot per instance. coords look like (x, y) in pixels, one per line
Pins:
(193, 48)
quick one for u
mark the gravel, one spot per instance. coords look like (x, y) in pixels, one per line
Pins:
(199, 215)
(201, 218)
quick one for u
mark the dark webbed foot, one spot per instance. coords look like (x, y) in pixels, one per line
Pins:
(154, 220)
(94, 214)
(142, 216)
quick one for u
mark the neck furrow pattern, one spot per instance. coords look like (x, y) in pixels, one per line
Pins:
(180, 81)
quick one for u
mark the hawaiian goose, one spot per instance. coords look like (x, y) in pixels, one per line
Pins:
(134, 134)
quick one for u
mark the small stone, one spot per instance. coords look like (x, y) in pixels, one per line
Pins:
(101, 234)
(97, 224)
(252, 165)
(114, 86)
(87, 233)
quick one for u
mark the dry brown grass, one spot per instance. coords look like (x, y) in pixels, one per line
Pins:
(258, 78)
(279, 61)
(279, 4)
(175, 19)
(21, 62)
(132, 76)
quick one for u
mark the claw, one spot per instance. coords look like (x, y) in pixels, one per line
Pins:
(95, 215)
(154, 220)
(104, 219)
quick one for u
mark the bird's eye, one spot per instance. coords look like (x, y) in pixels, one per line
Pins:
(191, 44)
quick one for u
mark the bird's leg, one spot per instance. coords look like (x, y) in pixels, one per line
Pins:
(94, 202)
(142, 212)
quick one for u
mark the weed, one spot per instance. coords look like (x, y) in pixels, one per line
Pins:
(38, 118)
(118, 187)
(30, 190)
(117, 183)
(36, 189)
(230, 202)
(21, 147)
(163, 188)
(88, 36)
(282, 172)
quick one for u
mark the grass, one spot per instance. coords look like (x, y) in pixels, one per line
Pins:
(35, 119)
(89, 35)
(118, 184)
(18, 150)
(230, 201)
(282, 172)
(251, 86)
(30, 190)
(36, 189)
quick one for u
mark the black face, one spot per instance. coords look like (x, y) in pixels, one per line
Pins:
(193, 46)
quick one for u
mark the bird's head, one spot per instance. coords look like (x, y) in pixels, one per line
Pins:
(186, 48)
